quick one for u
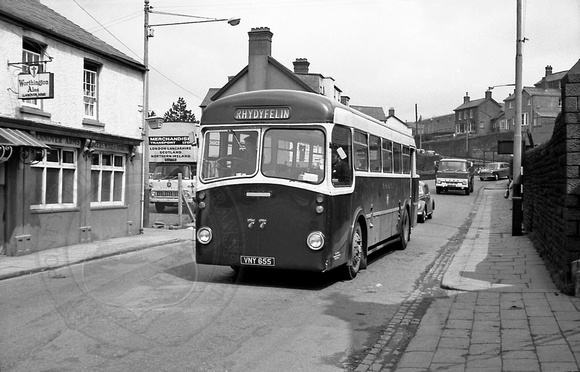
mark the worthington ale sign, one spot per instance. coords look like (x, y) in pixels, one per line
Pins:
(36, 85)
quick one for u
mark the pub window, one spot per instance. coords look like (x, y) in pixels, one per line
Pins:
(375, 153)
(387, 156)
(31, 56)
(90, 93)
(107, 179)
(361, 156)
(55, 178)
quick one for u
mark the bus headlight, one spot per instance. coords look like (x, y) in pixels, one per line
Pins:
(204, 235)
(152, 193)
(315, 240)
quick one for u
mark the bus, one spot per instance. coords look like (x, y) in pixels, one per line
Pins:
(294, 180)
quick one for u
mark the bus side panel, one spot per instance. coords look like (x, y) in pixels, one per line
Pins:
(262, 221)
(385, 196)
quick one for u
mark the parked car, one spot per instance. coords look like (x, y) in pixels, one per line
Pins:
(426, 203)
(495, 171)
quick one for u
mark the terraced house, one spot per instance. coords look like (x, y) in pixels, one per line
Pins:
(70, 133)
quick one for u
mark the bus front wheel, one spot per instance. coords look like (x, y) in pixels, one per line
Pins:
(353, 266)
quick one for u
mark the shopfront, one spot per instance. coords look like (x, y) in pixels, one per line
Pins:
(64, 186)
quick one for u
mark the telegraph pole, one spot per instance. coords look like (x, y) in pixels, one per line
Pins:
(517, 163)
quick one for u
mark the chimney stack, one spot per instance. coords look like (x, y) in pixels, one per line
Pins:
(488, 94)
(391, 111)
(259, 51)
(548, 70)
(301, 66)
(466, 97)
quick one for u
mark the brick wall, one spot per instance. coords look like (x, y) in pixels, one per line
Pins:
(552, 189)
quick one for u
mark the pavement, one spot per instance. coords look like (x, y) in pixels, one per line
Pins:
(500, 312)
(55, 258)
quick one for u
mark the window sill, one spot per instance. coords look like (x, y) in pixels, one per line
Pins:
(93, 123)
(34, 111)
(96, 206)
(39, 209)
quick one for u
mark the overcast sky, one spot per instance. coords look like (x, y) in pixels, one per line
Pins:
(387, 53)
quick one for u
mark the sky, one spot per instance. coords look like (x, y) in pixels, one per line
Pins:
(397, 54)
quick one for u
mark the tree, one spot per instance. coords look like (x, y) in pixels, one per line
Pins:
(179, 112)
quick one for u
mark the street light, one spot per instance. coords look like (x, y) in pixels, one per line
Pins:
(147, 33)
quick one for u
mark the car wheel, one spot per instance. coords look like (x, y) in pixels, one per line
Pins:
(481, 178)
(430, 215)
(422, 217)
(159, 207)
(496, 176)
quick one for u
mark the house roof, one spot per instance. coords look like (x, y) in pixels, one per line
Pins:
(244, 71)
(533, 91)
(42, 19)
(547, 112)
(475, 103)
(553, 77)
(374, 112)
(207, 99)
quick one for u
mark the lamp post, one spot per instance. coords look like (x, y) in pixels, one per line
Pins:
(517, 197)
(148, 33)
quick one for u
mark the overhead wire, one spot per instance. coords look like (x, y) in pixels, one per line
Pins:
(247, 4)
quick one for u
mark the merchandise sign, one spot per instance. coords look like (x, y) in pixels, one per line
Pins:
(38, 85)
(171, 148)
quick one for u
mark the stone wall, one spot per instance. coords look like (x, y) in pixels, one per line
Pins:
(476, 147)
(551, 189)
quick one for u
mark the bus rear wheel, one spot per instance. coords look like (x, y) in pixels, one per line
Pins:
(404, 231)
(353, 266)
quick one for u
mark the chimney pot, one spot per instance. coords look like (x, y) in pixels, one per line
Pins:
(260, 41)
(301, 66)
(466, 97)
(548, 70)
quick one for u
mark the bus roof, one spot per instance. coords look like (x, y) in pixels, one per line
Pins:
(285, 106)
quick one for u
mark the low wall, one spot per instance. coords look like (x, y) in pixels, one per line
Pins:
(551, 189)
(478, 147)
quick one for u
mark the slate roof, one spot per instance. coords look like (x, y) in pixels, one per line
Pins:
(244, 71)
(533, 91)
(42, 19)
(374, 112)
(553, 77)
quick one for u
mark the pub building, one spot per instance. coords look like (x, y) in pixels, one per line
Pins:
(71, 165)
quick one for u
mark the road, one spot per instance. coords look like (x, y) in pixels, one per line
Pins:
(156, 310)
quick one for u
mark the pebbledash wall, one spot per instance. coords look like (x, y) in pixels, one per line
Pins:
(551, 189)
